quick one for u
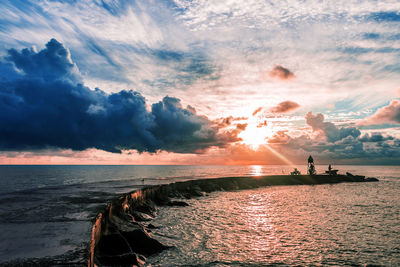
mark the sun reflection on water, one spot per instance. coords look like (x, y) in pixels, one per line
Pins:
(256, 170)
(259, 218)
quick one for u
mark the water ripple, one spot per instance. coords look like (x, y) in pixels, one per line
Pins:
(342, 224)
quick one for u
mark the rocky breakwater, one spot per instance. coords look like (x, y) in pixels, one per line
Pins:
(121, 233)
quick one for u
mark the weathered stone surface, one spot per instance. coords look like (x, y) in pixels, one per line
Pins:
(209, 187)
(195, 190)
(129, 259)
(141, 242)
(177, 203)
(152, 226)
(113, 250)
(147, 207)
(112, 244)
(141, 217)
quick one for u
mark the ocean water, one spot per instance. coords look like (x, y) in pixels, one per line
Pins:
(46, 212)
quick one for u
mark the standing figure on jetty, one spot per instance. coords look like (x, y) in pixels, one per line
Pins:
(330, 171)
(311, 167)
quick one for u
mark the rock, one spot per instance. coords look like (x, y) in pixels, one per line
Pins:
(113, 249)
(187, 195)
(141, 242)
(210, 187)
(141, 217)
(112, 244)
(147, 206)
(161, 197)
(152, 226)
(177, 203)
(371, 179)
(125, 245)
(196, 191)
(117, 223)
(230, 185)
(130, 259)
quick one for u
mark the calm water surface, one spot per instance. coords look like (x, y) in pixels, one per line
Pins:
(46, 211)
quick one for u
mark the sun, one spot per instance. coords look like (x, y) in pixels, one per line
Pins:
(255, 136)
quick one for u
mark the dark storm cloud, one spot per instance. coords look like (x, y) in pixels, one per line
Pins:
(285, 106)
(43, 104)
(183, 131)
(375, 137)
(51, 64)
(281, 73)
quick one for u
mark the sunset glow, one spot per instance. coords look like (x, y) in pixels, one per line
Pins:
(255, 136)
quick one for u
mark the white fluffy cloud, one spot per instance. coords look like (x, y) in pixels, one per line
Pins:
(389, 114)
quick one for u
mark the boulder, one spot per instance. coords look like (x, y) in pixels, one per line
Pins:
(113, 250)
(141, 216)
(195, 190)
(141, 242)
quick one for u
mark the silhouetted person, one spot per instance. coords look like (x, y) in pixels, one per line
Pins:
(311, 167)
(295, 172)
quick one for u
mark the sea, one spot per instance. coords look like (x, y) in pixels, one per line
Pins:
(46, 215)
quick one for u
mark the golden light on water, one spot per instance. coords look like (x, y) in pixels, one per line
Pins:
(256, 170)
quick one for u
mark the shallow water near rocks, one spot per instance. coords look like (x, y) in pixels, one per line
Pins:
(341, 224)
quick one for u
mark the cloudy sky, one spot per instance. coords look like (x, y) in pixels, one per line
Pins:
(199, 82)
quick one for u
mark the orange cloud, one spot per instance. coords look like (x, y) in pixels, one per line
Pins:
(285, 107)
(256, 111)
(241, 126)
(262, 124)
(279, 137)
(281, 73)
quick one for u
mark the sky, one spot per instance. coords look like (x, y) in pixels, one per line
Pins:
(199, 82)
